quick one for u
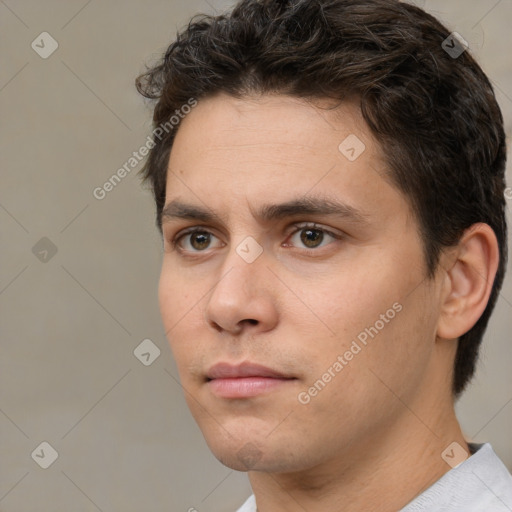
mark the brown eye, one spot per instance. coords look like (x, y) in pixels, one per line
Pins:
(194, 241)
(200, 241)
(311, 238)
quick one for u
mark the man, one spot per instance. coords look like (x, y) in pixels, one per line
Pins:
(329, 183)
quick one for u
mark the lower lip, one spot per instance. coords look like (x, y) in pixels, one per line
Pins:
(243, 387)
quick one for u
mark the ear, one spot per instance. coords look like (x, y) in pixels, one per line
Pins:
(468, 281)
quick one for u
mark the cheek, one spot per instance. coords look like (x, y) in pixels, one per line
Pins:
(168, 292)
(352, 302)
(179, 309)
(397, 352)
(175, 295)
(379, 307)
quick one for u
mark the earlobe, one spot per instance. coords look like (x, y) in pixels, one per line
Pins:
(468, 282)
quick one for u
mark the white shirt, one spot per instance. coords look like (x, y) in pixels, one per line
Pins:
(481, 483)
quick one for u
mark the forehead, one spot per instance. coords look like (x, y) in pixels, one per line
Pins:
(274, 148)
(223, 122)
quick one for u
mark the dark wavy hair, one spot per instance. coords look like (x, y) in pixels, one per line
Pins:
(434, 114)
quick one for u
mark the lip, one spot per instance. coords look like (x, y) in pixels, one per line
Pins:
(244, 380)
(245, 369)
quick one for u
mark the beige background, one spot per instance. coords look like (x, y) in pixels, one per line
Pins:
(68, 375)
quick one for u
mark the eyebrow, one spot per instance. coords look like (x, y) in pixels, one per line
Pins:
(270, 212)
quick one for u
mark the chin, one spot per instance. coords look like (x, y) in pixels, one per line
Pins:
(254, 453)
(240, 450)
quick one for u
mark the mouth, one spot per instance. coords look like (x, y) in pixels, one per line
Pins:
(244, 380)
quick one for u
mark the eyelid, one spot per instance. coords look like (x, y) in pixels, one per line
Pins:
(313, 225)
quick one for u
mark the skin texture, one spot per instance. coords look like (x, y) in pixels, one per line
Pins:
(373, 436)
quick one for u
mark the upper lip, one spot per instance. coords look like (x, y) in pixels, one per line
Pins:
(245, 369)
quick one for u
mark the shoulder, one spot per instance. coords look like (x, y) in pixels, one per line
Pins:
(481, 483)
(249, 505)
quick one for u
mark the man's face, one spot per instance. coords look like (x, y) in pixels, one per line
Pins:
(335, 303)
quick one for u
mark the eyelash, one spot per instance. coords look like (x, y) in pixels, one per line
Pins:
(197, 229)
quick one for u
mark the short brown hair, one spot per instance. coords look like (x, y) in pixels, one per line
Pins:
(434, 114)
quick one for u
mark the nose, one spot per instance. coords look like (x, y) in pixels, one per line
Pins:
(244, 298)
